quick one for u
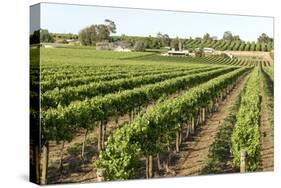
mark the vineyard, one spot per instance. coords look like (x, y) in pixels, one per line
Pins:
(230, 45)
(128, 115)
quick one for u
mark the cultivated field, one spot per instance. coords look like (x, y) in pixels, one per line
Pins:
(129, 115)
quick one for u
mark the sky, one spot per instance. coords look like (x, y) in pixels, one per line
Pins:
(63, 18)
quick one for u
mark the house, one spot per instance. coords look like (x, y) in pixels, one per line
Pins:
(206, 50)
(102, 46)
(120, 49)
(178, 53)
(120, 46)
(73, 41)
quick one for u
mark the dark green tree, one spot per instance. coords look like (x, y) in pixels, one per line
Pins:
(97, 33)
(264, 38)
(227, 35)
(206, 36)
(45, 36)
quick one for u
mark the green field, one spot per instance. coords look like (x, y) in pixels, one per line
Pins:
(124, 112)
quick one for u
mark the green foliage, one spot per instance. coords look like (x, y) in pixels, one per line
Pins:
(264, 47)
(247, 47)
(232, 43)
(127, 154)
(85, 113)
(227, 36)
(40, 36)
(264, 38)
(258, 46)
(246, 132)
(253, 46)
(45, 36)
(242, 46)
(269, 71)
(149, 133)
(34, 38)
(64, 36)
(97, 33)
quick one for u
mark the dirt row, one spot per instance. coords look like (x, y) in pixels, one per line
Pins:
(194, 151)
(190, 161)
(74, 169)
(266, 130)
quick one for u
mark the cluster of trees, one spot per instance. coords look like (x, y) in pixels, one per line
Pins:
(150, 42)
(264, 38)
(64, 36)
(102, 32)
(97, 33)
(230, 37)
(228, 42)
(41, 35)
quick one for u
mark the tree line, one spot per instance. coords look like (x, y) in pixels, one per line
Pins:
(95, 33)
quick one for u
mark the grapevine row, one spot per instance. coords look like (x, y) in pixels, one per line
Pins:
(61, 123)
(148, 134)
(246, 135)
(66, 95)
(49, 85)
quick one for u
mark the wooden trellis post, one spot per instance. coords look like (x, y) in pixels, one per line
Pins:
(149, 166)
(203, 115)
(192, 125)
(242, 161)
(178, 142)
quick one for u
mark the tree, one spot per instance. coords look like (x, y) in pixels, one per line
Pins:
(41, 35)
(156, 43)
(236, 38)
(227, 35)
(45, 36)
(206, 36)
(147, 42)
(166, 40)
(110, 25)
(35, 37)
(264, 38)
(175, 43)
(97, 33)
(163, 39)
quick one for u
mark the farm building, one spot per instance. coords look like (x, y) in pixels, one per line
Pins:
(206, 50)
(178, 53)
(115, 46)
(73, 41)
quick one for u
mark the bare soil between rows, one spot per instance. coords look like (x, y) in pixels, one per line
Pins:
(266, 132)
(190, 161)
(194, 151)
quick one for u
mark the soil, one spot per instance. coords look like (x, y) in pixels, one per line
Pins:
(74, 168)
(194, 151)
(266, 132)
(189, 161)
